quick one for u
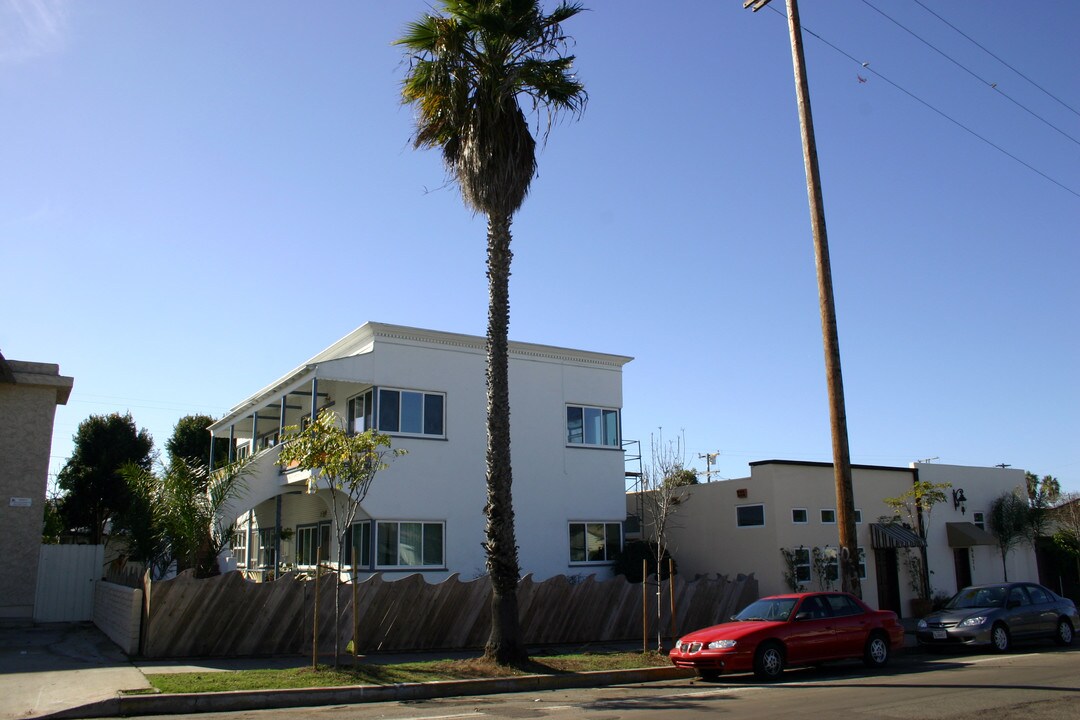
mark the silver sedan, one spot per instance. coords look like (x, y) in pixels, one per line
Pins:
(997, 615)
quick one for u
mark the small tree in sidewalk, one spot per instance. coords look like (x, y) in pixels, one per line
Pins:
(915, 508)
(344, 464)
(662, 491)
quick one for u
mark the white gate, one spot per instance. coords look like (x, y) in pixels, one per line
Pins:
(67, 576)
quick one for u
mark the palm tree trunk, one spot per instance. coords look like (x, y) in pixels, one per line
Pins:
(504, 644)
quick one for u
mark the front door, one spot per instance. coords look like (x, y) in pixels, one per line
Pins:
(962, 559)
(888, 580)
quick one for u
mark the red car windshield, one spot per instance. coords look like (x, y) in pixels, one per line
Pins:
(775, 609)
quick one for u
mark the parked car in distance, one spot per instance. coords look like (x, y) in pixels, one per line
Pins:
(999, 614)
(785, 630)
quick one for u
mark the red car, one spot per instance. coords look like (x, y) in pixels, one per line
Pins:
(799, 629)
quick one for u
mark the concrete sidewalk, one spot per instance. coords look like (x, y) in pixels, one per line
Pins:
(51, 668)
(74, 671)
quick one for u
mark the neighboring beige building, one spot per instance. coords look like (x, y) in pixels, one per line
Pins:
(29, 394)
(740, 526)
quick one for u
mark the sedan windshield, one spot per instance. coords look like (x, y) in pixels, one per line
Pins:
(992, 596)
(778, 609)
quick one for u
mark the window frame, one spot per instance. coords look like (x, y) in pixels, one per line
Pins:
(978, 519)
(821, 515)
(603, 414)
(266, 548)
(364, 562)
(798, 566)
(806, 516)
(608, 526)
(376, 545)
(317, 529)
(377, 413)
(366, 403)
(239, 543)
(738, 519)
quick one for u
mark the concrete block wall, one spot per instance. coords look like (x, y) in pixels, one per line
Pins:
(118, 614)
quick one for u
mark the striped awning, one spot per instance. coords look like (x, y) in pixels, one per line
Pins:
(893, 535)
(965, 534)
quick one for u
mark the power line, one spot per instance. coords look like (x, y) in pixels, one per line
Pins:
(988, 52)
(992, 85)
(942, 113)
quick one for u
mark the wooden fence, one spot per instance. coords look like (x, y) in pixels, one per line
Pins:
(229, 616)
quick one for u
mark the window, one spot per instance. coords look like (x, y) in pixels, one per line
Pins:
(750, 515)
(979, 519)
(828, 517)
(1038, 595)
(799, 516)
(842, 605)
(595, 542)
(592, 426)
(409, 544)
(359, 543)
(858, 516)
(239, 547)
(243, 449)
(312, 544)
(360, 412)
(862, 564)
(411, 413)
(267, 557)
(802, 565)
(831, 564)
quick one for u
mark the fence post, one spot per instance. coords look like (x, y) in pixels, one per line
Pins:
(671, 594)
(644, 607)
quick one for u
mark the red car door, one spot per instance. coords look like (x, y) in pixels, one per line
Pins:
(810, 633)
(851, 625)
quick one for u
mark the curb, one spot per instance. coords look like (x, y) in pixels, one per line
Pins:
(164, 704)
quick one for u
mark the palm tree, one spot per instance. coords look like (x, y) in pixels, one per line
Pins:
(468, 71)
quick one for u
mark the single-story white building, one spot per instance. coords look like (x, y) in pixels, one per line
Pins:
(743, 525)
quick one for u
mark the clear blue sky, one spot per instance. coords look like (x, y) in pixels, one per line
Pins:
(197, 197)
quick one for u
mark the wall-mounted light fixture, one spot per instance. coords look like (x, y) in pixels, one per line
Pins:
(959, 501)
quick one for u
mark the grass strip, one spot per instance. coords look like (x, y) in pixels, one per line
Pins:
(371, 674)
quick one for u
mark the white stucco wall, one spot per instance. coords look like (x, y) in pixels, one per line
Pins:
(981, 486)
(443, 479)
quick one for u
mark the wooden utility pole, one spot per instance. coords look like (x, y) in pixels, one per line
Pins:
(845, 501)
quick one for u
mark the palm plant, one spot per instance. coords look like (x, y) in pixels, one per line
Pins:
(468, 72)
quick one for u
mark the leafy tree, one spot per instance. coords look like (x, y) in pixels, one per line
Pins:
(1042, 494)
(681, 477)
(174, 515)
(1067, 522)
(1010, 521)
(95, 492)
(628, 561)
(344, 464)
(190, 442)
(468, 71)
(916, 506)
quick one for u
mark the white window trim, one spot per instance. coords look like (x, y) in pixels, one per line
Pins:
(746, 505)
(601, 446)
(586, 523)
(809, 565)
(800, 522)
(410, 521)
(398, 433)
(823, 520)
(858, 516)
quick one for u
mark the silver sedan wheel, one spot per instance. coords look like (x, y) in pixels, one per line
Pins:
(999, 638)
(878, 651)
(1064, 632)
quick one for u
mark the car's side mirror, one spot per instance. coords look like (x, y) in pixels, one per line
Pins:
(802, 616)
